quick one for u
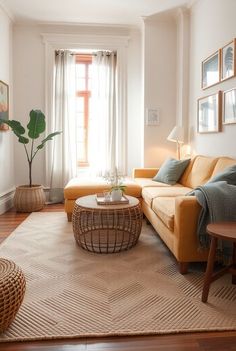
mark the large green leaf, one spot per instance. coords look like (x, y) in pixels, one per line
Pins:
(49, 137)
(37, 124)
(15, 126)
(17, 129)
(22, 139)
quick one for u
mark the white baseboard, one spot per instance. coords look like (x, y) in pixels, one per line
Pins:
(6, 201)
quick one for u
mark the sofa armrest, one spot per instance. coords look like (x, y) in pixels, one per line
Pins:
(187, 211)
(144, 172)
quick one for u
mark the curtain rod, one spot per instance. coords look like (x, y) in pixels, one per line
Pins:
(107, 53)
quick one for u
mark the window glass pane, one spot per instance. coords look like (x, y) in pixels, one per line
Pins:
(81, 151)
(80, 119)
(80, 84)
(80, 104)
(90, 71)
(80, 135)
(80, 70)
(91, 113)
(89, 84)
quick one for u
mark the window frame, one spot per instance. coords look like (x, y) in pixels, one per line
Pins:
(85, 59)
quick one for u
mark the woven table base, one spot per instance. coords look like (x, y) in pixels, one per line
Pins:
(12, 290)
(106, 228)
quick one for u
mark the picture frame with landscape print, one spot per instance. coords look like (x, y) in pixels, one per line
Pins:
(211, 70)
(229, 115)
(228, 61)
(4, 104)
(210, 113)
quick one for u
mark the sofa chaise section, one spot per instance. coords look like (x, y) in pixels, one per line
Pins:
(78, 187)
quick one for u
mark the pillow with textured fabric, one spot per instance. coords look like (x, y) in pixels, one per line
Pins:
(228, 175)
(171, 171)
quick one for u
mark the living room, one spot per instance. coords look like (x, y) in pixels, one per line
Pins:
(163, 48)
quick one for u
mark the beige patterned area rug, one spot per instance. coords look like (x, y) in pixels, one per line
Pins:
(73, 293)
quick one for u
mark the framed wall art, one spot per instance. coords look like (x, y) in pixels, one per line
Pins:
(228, 61)
(211, 70)
(229, 115)
(4, 104)
(209, 113)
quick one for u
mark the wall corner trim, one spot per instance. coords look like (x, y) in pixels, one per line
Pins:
(6, 200)
(7, 11)
(191, 3)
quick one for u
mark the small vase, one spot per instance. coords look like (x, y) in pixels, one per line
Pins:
(116, 195)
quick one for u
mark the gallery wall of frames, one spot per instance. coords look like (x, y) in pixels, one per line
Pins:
(219, 108)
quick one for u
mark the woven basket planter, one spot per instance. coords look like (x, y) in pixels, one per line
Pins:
(29, 199)
(12, 290)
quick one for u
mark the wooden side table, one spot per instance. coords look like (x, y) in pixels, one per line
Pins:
(223, 231)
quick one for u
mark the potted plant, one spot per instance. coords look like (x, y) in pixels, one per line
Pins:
(117, 186)
(30, 197)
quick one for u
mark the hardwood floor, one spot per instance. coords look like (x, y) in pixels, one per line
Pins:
(217, 341)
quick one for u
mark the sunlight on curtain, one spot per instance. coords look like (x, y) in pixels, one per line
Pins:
(103, 115)
(61, 163)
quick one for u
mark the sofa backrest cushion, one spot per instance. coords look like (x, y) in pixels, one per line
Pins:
(221, 164)
(198, 172)
(228, 175)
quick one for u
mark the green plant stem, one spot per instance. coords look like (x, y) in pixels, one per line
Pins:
(27, 155)
(30, 174)
(32, 148)
(35, 153)
(30, 163)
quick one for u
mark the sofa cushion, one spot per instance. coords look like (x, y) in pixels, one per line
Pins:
(198, 172)
(164, 207)
(78, 187)
(171, 171)
(228, 175)
(144, 182)
(150, 193)
(221, 164)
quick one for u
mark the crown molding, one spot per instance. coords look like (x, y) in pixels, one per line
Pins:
(7, 11)
(85, 40)
(191, 3)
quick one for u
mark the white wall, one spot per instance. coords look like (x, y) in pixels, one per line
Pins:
(134, 101)
(213, 25)
(160, 35)
(6, 138)
(29, 78)
(28, 71)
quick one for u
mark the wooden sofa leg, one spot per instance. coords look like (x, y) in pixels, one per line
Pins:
(69, 217)
(147, 221)
(183, 267)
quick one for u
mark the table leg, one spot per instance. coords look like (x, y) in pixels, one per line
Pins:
(234, 264)
(209, 270)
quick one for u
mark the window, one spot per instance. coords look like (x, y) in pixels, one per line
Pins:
(83, 95)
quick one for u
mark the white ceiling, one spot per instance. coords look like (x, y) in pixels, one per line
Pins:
(87, 11)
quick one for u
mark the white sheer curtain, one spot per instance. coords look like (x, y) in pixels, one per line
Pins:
(61, 159)
(103, 121)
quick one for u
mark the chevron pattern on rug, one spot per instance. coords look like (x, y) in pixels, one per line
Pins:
(74, 293)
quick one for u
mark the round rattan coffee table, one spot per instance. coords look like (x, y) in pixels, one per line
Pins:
(106, 228)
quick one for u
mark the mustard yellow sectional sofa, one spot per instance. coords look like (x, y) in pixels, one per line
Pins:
(173, 214)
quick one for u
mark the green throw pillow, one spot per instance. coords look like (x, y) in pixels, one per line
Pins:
(171, 171)
(228, 175)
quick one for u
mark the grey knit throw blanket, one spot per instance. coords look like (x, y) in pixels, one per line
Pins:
(218, 202)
